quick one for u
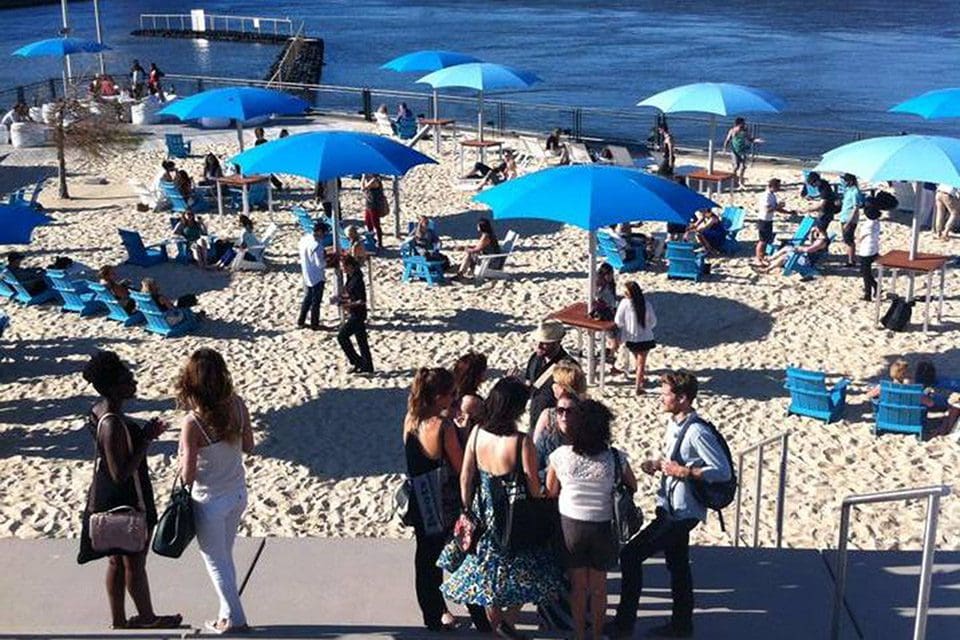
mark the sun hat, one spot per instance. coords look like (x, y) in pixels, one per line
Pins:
(549, 331)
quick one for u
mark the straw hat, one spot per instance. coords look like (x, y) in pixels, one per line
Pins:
(549, 331)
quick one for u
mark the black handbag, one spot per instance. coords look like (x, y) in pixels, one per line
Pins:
(627, 519)
(530, 522)
(175, 528)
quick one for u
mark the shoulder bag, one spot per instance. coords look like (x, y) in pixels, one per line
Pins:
(122, 529)
(468, 527)
(531, 521)
(175, 528)
(627, 519)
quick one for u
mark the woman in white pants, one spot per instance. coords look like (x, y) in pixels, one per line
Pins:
(214, 435)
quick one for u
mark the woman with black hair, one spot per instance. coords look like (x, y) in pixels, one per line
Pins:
(121, 479)
(868, 246)
(635, 320)
(486, 245)
(497, 578)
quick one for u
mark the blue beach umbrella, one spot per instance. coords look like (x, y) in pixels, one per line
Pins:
(480, 76)
(235, 103)
(940, 103)
(716, 99)
(911, 158)
(17, 224)
(428, 60)
(60, 47)
(591, 197)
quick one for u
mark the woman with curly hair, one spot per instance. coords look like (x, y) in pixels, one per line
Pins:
(214, 435)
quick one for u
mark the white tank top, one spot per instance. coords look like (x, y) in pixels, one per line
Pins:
(219, 467)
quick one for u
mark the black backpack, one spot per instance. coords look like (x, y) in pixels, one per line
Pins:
(898, 315)
(712, 495)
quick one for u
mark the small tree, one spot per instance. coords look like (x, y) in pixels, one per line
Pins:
(91, 132)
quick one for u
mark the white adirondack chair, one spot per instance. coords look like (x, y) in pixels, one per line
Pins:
(579, 153)
(257, 251)
(485, 269)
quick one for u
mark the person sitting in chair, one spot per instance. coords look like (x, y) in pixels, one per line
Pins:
(211, 170)
(31, 278)
(506, 170)
(192, 229)
(119, 288)
(708, 231)
(486, 245)
(819, 244)
(173, 312)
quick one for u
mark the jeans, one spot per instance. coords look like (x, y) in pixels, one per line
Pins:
(673, 538)
(429, 577)
(356, 325)
(312, 296)
(869, 281)
(216, 521)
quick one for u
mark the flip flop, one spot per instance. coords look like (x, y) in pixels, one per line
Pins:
(159, 622)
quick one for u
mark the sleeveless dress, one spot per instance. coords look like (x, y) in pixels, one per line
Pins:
(493, 576)
(219, 467)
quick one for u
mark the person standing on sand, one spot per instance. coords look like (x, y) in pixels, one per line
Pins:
(767, 205)
(868, 247)
(312, 266)
(739, 140)
(353, 299)
(849, 214)
(691, 452)
(539, 371)
(121, 478)
(375, 205)
(214, 435)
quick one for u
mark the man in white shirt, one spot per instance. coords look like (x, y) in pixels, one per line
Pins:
(312, 265)
(767, 205)
(947, 201)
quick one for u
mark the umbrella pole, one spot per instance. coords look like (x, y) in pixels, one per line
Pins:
(915, 231)
(96, 20)
(713, 132)
(436, 104)
(480, 120)
(66, 32)
(334, 187)
(591, 286)
(240, 133)
(396, 206)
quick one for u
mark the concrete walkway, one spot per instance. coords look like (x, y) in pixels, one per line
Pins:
(361, 588)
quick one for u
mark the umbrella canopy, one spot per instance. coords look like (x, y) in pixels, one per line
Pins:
(910, 158)
(591, 197)
(427, 60)
(716, 99)
(941, 103)
(480, 76)
(60, 47)
(17, 224)
(235, 103)
(323, 155)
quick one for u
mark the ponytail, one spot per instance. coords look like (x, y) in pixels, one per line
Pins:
(428, 385)
(639, 303)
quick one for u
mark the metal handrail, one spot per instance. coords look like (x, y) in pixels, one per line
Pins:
(933, 495)
(783, 439)
(211, 19)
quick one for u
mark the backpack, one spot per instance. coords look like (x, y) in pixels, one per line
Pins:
(898, 315)
(712, 495)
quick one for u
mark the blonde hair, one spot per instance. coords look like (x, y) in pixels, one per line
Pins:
(900, 370)
(149, 285)
(568, 375)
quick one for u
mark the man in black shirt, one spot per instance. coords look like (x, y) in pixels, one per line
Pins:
(826, 201)
(539, 371)
(353, 299)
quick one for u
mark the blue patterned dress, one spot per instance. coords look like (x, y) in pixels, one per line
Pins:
(494, 576)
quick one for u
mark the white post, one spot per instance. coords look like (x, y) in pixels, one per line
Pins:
(591, 285)
(333, 187)
(480, 118)
(436, 116)
(396, 206)
(918, 203)
(240, 134)
(66, 59)
(96, 20)
(713, 132)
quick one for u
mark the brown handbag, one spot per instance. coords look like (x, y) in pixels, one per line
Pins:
(123, 528)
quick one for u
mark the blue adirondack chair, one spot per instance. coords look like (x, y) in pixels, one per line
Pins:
(899, 409)
(257, 195)
(809, 191)
(140, 255)
(19, 197)
(6, 291)
(176, 147)
(800, 263)
(684, 262)
(76, 294)
(157, 320)
(20, 293)
(178, 203)
(732, 219)
(607, 249)
(4, 323)
(810, 397)
(799, 236)
(304, 219)
(417, 267)
(114, 308)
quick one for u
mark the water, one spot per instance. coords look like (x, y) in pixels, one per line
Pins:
(838, 65)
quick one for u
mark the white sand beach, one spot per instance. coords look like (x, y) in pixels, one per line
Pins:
(329, 452)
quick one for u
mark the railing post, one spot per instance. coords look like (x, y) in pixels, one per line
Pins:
(926, 566)
(20, 95)
(367, 107)
(168, 22)
(841, 572)
(736, 522)
(782, 486)
(501, 117)
(53, 89)
(183, 26)
(756, 498)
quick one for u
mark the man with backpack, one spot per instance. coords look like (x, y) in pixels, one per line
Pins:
(696, 474)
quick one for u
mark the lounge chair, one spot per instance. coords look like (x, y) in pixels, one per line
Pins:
(619, 156)
(608, 250)
(176, 147)
(157, 321)
(579, 154)
(493, 265)
(140, 255)
(810, 397)
(383, 123)
(683, 261)
(899, 409)
(732, 219)
(21, 294)
(799, 236)
(537, 152)
(241, 263)
(114, 307)
(76, 294)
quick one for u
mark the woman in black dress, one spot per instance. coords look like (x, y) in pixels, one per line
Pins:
(121, 466)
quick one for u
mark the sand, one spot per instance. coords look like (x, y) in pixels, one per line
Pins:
(329, 453)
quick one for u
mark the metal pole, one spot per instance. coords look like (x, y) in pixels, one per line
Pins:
(756, 497)
(396, 206)
(841, 572)
(96, 20)
(480, 121)
(240, 133)
(782, 487)
(591, 335)
(713, 132)
(915, 231)
(66, 59)
(736, 522)
(333, 186)
(926, 566)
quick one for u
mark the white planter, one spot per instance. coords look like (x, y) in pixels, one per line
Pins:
(28, 134)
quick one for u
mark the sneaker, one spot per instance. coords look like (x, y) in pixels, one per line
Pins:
(669, 631)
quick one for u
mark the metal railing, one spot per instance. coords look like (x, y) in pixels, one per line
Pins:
(933, 495)
(242, 24)
(783, 439)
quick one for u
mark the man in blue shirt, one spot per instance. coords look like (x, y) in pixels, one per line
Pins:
(849, 209)
(698, 457)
